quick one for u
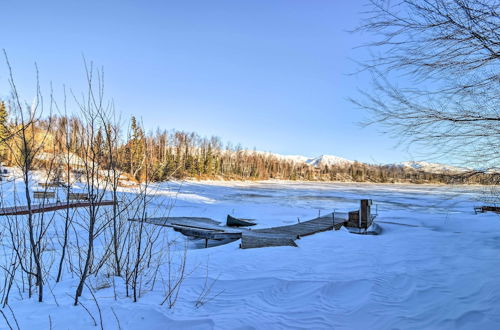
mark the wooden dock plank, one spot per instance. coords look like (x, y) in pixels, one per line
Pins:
(326, 222)
(49, 207)
(258, 241)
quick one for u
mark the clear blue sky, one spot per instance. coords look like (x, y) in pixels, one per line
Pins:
(267, 74)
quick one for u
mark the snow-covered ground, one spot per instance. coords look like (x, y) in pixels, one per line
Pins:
(436, 268)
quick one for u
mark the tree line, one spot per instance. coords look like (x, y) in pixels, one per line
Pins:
(179, 155)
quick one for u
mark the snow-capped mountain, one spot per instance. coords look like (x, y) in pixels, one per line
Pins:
(331, 160)
(431, 167)
(293, 158)
(328, 160)
(316, 161)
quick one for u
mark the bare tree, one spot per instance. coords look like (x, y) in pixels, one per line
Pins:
(434, 70)
(27, 140)
(112, 135)
(65, 143)
(92, 150)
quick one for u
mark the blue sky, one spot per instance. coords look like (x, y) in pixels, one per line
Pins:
(273, 75)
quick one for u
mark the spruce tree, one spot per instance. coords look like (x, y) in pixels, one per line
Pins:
(4, 131)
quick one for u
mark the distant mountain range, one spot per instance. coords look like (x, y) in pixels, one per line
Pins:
(432, 167)
(335, 160)
(317, 161)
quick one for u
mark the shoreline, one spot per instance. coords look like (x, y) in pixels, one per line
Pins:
(279, 181)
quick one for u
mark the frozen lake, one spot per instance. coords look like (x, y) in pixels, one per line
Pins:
(440, 274)
(276, 203)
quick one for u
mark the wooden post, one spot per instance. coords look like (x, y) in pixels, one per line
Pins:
(206, 243)
(365, 213)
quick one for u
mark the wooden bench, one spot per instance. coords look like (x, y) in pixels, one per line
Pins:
(44, 194)
(78, 196)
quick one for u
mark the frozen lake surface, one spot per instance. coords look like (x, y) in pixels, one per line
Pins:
(440, 272)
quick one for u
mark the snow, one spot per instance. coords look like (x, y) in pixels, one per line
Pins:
(322, 160)
(290, 158)
(331, 160)
(71, 159)
(293, 158)
(432, 167)
(328, 160)
(440, 272)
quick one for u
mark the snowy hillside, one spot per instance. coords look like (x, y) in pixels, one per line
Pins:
(432, 167)
(293, 158)
(328, 160)
(316, 161)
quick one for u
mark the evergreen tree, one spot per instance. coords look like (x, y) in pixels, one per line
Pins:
(4, 130)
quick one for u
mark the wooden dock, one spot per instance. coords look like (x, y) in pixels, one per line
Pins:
(48, 207)
(207, 229)
(486, 208)
(286, 235)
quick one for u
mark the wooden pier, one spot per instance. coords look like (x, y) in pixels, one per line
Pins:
(209, 229)
(48, 207)
(286, 235)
